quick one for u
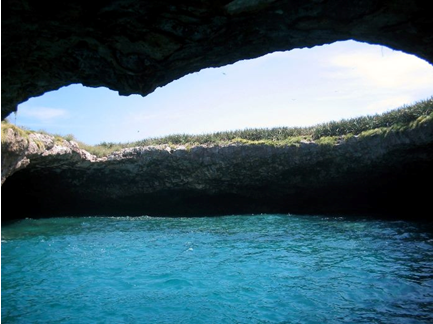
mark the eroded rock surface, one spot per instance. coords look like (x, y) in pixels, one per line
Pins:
(18, 150)
(374, 174)
(135, 46)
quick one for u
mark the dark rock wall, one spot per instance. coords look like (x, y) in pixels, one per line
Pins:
(136, 46)
(375, 175)
(381, 189)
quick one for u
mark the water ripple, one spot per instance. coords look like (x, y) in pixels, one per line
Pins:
(234, 269)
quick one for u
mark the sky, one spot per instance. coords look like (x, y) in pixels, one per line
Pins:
(301, 87)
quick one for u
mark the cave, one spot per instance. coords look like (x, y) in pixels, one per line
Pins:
(134, 47)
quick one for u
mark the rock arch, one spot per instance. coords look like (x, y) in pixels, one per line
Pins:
(136, 46)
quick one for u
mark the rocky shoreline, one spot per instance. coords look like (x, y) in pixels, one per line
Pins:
(373, 174)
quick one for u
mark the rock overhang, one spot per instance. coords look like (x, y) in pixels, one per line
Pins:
(134, 46)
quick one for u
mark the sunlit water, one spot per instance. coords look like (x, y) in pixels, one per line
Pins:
(234, 269)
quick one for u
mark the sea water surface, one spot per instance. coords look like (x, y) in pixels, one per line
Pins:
(233, 269)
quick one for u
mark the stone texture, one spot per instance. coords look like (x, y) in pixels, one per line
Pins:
(383, 175)
(18, 150)
(135, 46)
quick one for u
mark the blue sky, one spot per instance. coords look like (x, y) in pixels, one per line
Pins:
(295, 88)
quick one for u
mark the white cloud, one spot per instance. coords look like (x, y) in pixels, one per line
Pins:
(391, 70)
(42, 114)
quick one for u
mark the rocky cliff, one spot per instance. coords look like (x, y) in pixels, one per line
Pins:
(380, 172)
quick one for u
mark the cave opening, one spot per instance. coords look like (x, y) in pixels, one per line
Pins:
(297, 88)
(344, 80)
(278, 153)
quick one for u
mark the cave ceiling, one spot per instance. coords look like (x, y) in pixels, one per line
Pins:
(134, 46)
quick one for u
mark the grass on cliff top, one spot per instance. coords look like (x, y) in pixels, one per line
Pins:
(5, 126)
(326, 133)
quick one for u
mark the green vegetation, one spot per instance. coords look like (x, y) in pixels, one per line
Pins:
(328, 140)
(103, 149)
(324, 134)
(396, 118)
(381, 131)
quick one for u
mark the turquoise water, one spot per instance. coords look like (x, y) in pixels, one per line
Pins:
(234, 269)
